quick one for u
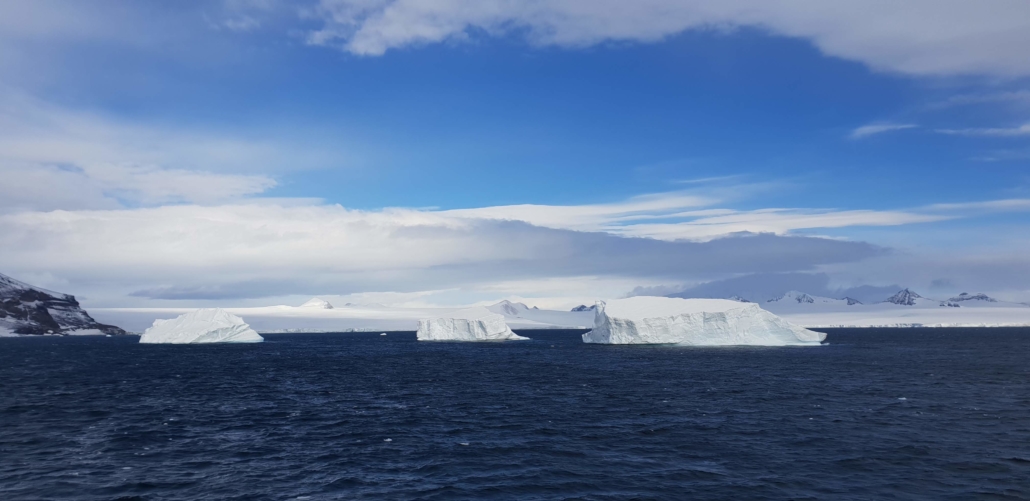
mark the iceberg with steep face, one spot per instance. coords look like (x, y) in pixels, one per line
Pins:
(472, 324)
(693, 322)
(208, 325)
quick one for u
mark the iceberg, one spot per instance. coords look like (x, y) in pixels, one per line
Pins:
(208, 325)
(472, 324)
(693, 322)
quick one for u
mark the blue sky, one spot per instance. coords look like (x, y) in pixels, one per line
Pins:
(681, 122)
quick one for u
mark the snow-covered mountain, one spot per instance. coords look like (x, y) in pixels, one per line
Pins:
(584, 307)
(803, 298)
(965, 296)
(520, 316)
(509, 308)
(317, 303)
(25, 309)
(906, 297)
(905, 308)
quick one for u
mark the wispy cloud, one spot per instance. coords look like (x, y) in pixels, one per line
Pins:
(684, 215)
(874, 129)
(1017, 98)
(1006, 205)
(58, 158)
(1022, 130)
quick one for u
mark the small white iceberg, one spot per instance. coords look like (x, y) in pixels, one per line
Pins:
(208, 325)
(472, 324)
(693, 322)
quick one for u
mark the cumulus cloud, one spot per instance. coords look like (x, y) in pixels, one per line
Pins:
(921, 37)
(874, 129)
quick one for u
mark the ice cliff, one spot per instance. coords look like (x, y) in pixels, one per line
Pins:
(696, 322)
(472, 324)
(209, 325)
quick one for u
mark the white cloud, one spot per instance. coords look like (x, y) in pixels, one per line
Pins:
(1005, 205)
(260, 250)
(1016, 98)
(922, 37)
(1022, 130)
(265, 248)
(873, 129)
(679, 215)
(53, 157)
(591, 217)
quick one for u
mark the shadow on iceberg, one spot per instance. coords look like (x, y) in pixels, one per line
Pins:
(208, 325)
(693, 322)
(472, 324)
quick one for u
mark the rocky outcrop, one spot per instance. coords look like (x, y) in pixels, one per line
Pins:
(25, 309)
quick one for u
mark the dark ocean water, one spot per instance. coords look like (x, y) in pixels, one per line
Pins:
(875, 414)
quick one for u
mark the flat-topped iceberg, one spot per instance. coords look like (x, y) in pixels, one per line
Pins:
(209, 325)
(694, 322)
(472, 324)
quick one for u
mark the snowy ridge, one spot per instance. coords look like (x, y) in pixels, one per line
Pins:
(8, 285)
(803, 298)
(25, 309)
(965, 296)
(317, 303)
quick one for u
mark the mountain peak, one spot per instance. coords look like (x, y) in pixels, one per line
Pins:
(317, 303)
(506, 307)
(904, 297)
(796, 296)
(965, 296)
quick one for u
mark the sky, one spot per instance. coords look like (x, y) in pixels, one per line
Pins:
(443, 152)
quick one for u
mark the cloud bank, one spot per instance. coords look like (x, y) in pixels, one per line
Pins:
(919, 37)
(255, 250)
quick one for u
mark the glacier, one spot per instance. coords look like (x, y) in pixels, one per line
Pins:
(693, 322)
(207, 325)
(471, 324)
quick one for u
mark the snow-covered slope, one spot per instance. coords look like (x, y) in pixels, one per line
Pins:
(25, 309)
(317, 303)
(906, 309)
(697, 322)
(908, 298)
(803, 298)
(472, 324)
(979, 297)
(208, 325)
(520, 316)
